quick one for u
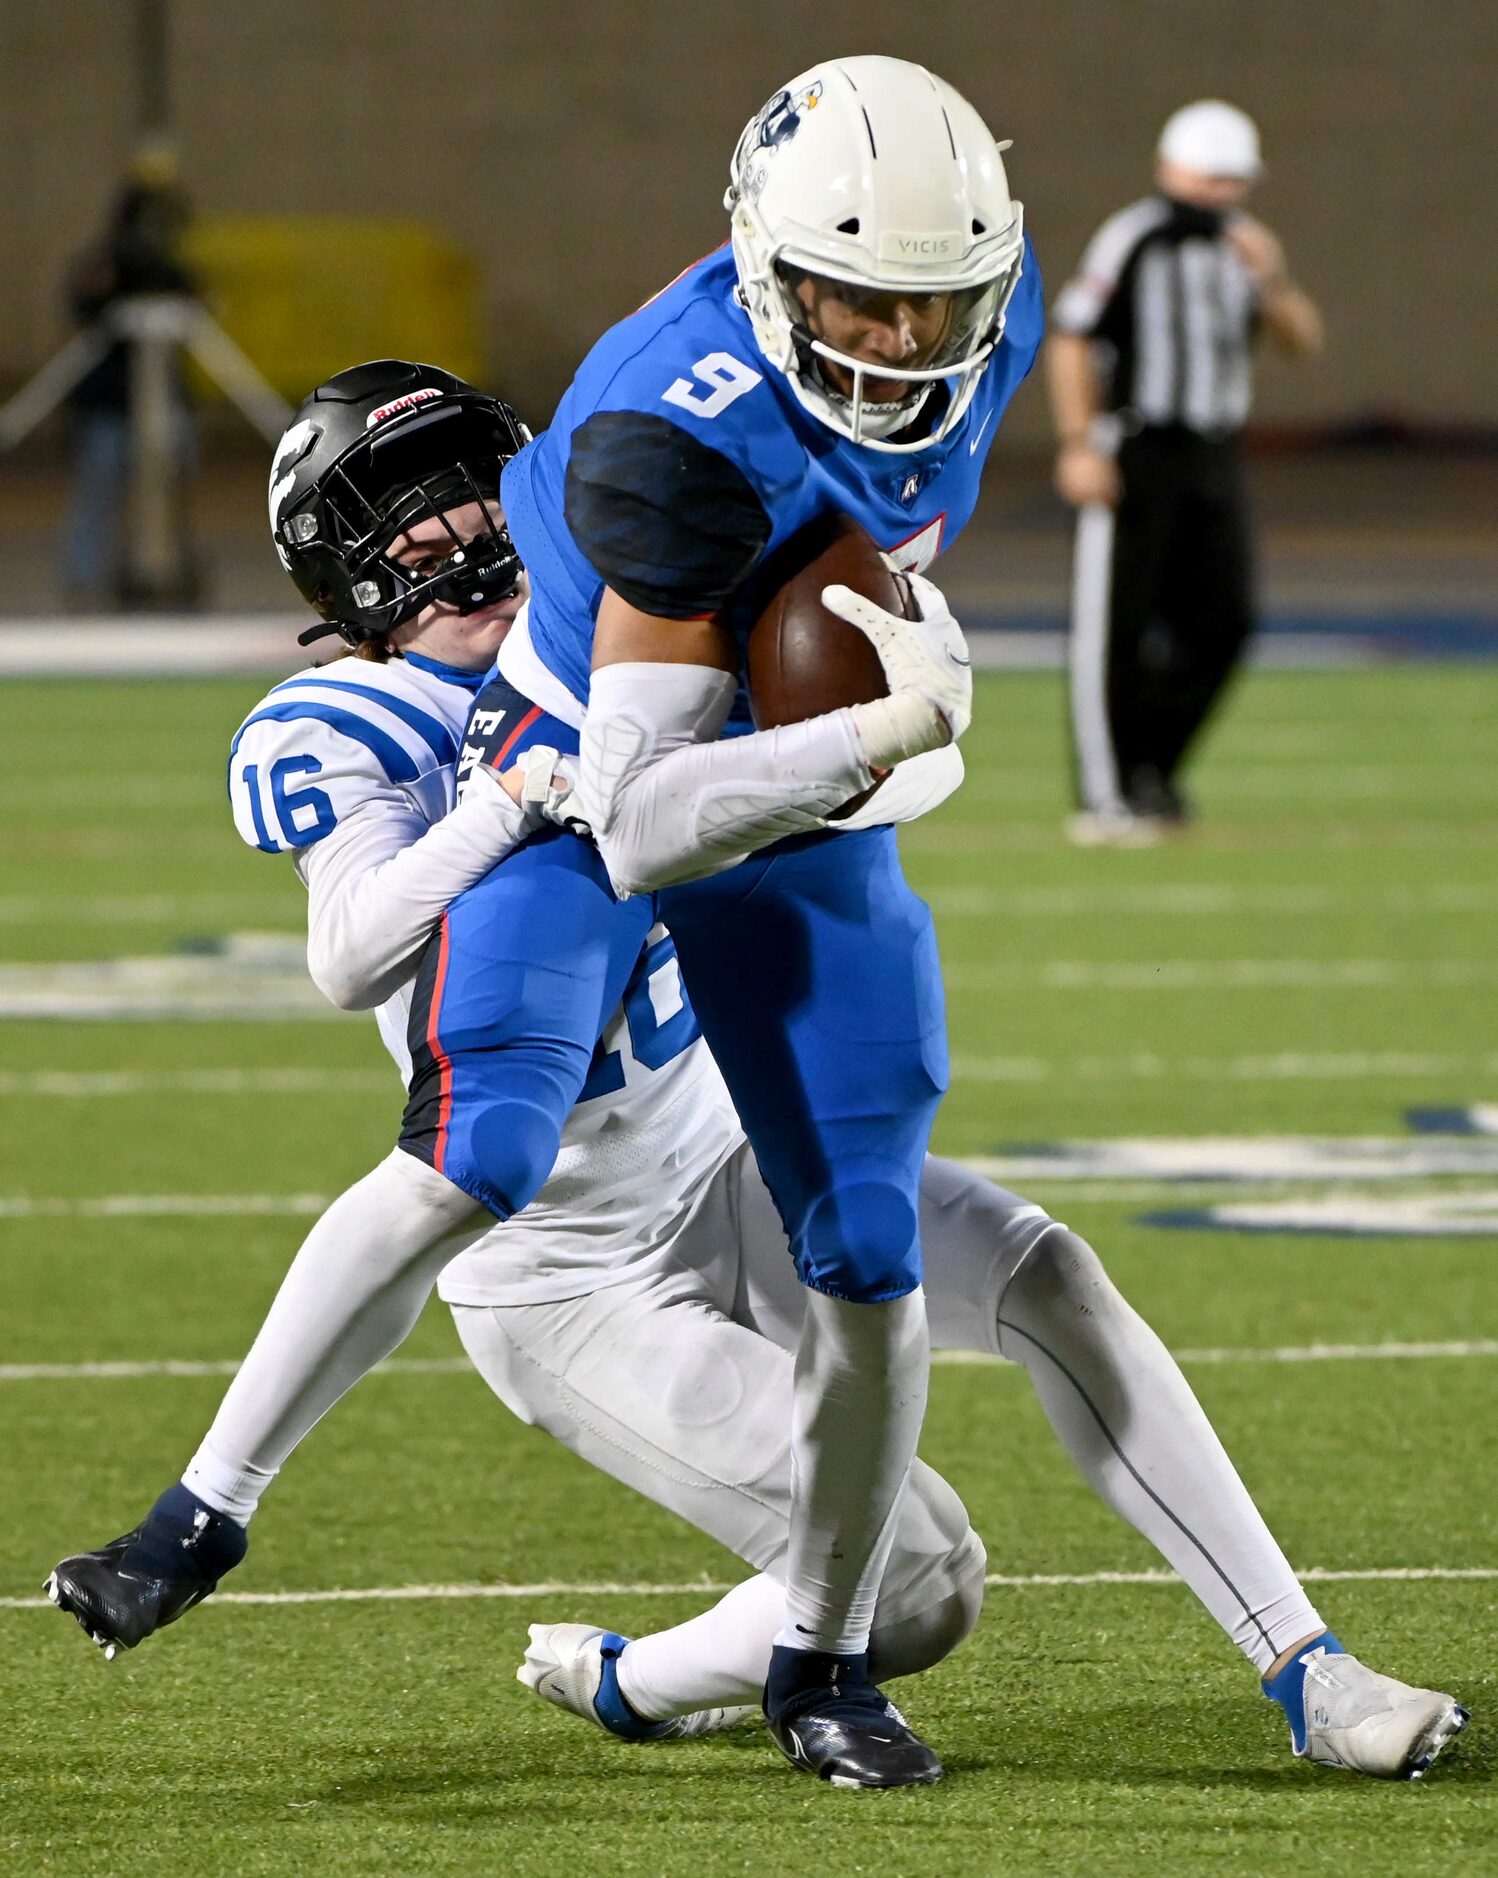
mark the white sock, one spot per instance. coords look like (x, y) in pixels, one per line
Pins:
(229, 1487)
(1126, 1415)
(721, 1659)
(717, 1660)
(860, 1396)
(353, 1293)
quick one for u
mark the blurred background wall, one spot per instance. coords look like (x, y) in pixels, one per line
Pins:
(577, 150)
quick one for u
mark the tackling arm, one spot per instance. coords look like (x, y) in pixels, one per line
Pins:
(380, 882)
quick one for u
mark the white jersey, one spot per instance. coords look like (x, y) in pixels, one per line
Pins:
(347, 766)
(353, 742)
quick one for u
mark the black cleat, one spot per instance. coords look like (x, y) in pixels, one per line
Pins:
(146, 1579)
(1158, 798)
(828, 1719)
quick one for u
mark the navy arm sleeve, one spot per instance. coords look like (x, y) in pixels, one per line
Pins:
(673, 526)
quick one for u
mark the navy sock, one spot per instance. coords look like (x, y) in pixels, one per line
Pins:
(800, 1678)
(1288, 1687)
(182, 1531)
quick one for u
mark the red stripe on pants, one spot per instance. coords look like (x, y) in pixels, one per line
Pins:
(434, 1044)
(515, 735)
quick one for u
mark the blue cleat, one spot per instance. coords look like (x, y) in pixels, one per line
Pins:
(146, 1579)
(828, 1719)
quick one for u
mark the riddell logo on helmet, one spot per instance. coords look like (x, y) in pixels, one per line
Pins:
(895, 246)
(406, 403)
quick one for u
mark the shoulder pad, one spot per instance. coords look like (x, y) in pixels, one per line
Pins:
(672, 525)
(318, 747)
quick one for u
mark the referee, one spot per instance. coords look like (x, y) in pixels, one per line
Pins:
(1150, 381)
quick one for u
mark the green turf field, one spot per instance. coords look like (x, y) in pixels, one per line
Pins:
(1315, 962)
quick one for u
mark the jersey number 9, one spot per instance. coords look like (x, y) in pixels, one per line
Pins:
(726, 378)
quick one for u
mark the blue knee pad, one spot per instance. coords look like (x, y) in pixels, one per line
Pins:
(814, 974)
(861, 1241)
(511, 997)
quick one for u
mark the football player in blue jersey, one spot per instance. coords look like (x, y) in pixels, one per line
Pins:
(850, 352)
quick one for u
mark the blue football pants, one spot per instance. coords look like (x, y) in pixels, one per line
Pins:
(813, 971)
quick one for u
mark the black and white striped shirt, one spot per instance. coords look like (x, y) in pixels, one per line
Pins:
(1174, 309)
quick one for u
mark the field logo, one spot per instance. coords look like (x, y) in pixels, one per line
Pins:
(1466, 1215)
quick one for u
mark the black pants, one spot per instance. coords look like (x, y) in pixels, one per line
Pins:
(1162, 609)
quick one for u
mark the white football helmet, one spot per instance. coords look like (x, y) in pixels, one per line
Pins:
(874, 172)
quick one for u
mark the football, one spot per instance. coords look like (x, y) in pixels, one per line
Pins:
(802, 660)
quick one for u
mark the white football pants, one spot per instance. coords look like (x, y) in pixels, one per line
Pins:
(679, 1384)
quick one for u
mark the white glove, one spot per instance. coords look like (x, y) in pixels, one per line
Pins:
(549, 790)
(926, 666)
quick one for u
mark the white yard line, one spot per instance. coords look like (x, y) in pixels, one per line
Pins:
(978, 838)
(418, 1594)
(1194, 900)
(954, 1359)
(126, 1371)
(1290, 1353)
(140, 909)
(1247, 974)
(90, 1083)
(1287, 1066)
(165, 1206)
(1239, 1160)
(1345, 1352)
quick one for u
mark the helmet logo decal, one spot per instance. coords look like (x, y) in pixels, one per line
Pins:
(289, 451)
(779, 121)
(407, 403)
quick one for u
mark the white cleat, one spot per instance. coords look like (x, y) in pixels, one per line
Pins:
(566, 1663)
(1114, 828)
(1371, 1724)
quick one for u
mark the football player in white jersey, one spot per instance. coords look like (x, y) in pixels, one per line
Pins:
(644, 1309)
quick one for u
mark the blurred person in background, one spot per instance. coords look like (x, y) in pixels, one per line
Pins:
(137, 253)
(1150, 381)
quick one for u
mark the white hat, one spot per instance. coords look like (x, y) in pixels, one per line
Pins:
(1214, 139)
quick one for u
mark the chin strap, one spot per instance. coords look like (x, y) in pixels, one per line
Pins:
(874, 419)
(324, 629)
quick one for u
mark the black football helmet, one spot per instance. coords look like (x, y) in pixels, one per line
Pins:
(371, 452)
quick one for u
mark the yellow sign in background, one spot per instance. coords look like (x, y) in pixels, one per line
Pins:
(306, 295)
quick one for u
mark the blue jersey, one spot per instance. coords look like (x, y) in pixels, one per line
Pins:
(680, 458)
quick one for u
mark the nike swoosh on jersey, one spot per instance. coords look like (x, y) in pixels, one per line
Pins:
(972, 448)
